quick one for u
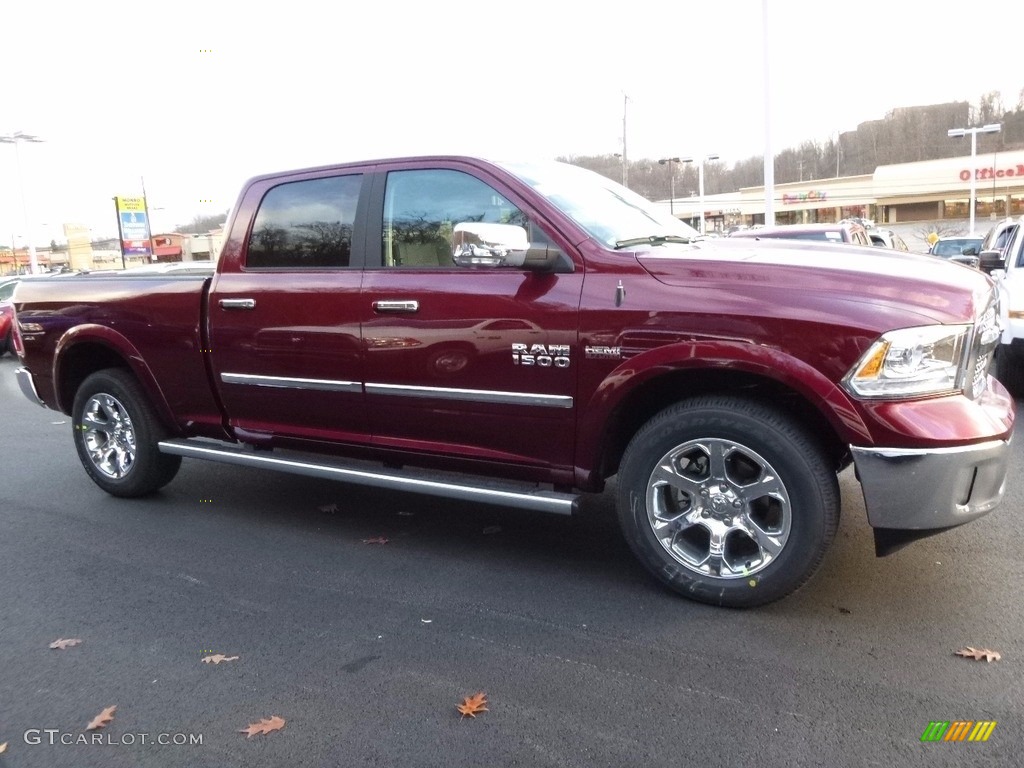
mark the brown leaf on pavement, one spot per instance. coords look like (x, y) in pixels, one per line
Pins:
(103, 718)
(217, 658)
(979, 654)
(60, 644)
(473, 705)
(266, 725)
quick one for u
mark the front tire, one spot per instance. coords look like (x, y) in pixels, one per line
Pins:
(727, 501)
(116, 435)
(1010, 369)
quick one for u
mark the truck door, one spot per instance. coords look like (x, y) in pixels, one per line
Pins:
(283, 311)
(470, 362)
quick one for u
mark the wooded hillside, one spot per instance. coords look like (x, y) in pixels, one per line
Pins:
(906, 134)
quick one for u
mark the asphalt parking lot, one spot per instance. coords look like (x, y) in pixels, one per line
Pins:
(364, 646)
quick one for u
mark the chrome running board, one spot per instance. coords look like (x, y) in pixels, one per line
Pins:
(509, 494)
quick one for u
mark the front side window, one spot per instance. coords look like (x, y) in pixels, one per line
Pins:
(422, 207)
(305, 224)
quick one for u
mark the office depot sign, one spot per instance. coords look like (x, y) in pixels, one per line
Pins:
(987, 174)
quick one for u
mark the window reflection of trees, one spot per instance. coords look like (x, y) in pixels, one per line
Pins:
(292, 231)
(313, 244)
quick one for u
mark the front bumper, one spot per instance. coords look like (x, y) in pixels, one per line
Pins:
(28, 386)
(931, 488)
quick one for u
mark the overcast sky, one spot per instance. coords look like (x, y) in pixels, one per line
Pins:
(197, 96)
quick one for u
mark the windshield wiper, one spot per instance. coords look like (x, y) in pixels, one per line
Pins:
(651, 240)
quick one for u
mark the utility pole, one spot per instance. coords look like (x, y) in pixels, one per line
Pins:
(769, 156)
(957, 133)
(671, 182)
(15, 139)
(625, 158)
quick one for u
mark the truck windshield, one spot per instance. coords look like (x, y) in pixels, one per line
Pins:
(613, 214)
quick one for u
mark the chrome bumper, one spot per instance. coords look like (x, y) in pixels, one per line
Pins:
(28, 387)
(931, 488)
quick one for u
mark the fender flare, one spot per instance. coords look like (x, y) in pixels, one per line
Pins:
(769, 363)
(116, 342)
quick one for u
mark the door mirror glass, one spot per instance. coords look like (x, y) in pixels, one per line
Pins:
(486, 244)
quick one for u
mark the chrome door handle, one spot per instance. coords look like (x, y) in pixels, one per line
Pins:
(396, 306)
(237, 303)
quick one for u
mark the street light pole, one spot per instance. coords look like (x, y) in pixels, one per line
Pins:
(700, 185)
(671, 181)
(15, 138)
(625, 161)
(958, 133)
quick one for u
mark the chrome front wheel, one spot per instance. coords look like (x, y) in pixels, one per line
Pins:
(719, 508)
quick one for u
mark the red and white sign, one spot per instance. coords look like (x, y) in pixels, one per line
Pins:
(987, 174)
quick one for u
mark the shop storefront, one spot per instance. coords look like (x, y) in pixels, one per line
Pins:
(930, 190)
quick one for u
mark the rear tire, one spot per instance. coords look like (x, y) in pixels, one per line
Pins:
(727, 501)
(116, 435)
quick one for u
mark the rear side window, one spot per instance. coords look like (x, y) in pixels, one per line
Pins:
(305, 224)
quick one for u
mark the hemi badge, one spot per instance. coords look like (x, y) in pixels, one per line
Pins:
(602, 353)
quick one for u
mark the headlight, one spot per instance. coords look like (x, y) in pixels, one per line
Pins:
(912, 361)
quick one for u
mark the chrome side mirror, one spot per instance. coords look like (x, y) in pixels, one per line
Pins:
(486, 244)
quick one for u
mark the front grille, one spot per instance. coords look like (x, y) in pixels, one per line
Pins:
(983, 348)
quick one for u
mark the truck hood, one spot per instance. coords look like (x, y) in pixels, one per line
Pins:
(935, 289)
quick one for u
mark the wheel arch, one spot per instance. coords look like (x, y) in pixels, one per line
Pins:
(821, 407)
(85, 350)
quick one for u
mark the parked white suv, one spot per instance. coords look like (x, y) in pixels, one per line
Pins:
(1006, 266)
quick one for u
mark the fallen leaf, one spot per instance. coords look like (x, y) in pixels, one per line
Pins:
(60, 644)
(328, 508)
(3, 748)
(492, 529)
(979, 654)
(844, 610)
(473, 705)
(377, 540)
(266, 725)
(217, 658)
(102, 719)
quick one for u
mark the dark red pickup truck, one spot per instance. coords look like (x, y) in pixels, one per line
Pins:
(517, 334)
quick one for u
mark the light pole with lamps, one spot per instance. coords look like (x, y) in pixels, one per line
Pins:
(700, 184)
(959, 133)
(16, 138)
(671, 181)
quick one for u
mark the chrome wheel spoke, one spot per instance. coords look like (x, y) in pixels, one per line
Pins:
(665, 473)
(91, 421)
(716, 449)
(770, 485)
(769, 544)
